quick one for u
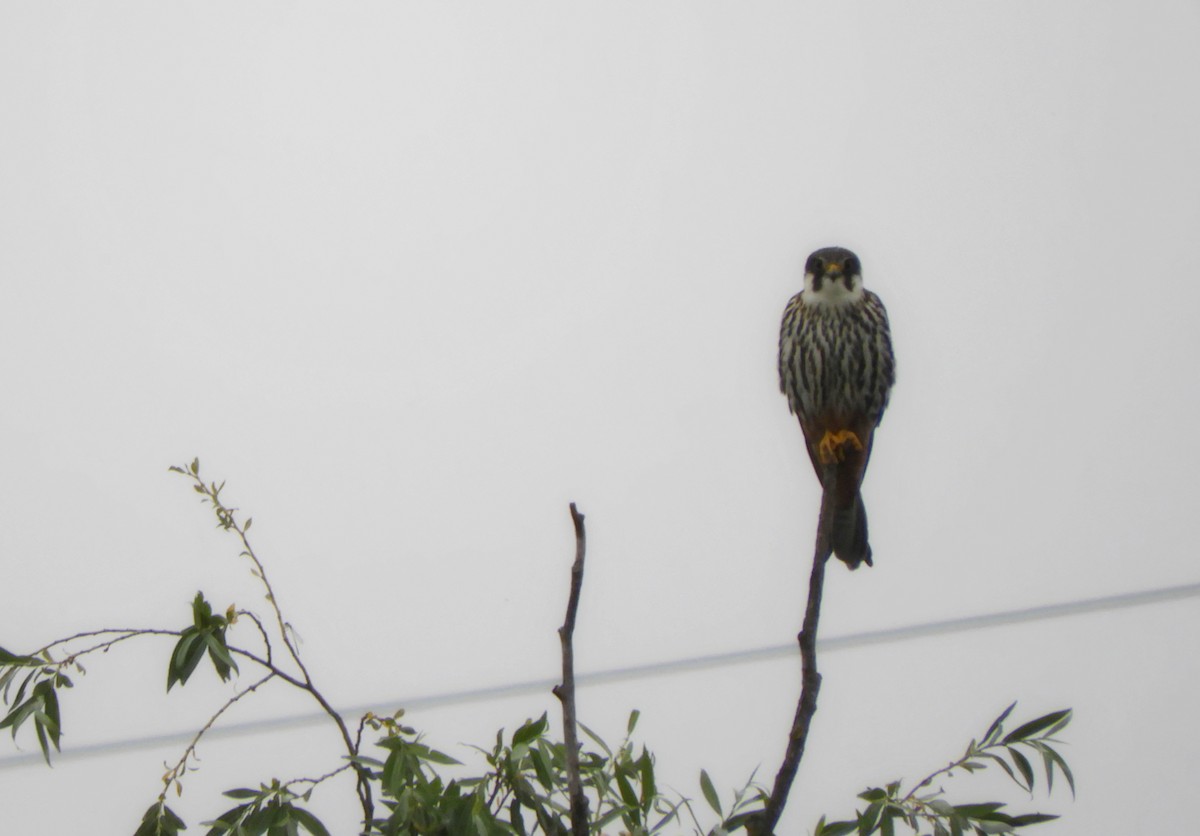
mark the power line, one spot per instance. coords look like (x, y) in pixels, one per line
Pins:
(623, 674)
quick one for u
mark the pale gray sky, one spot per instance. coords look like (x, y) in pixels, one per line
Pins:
(412, 276)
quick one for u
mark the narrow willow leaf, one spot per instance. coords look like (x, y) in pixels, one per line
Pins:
(975, 811)
(1031, 818)
(1060, 725)
(626, 790)
(710, 792)
(597, 739)
(1023, 765)
(994, 728)
(7, 658)
(649, 790)
(241, 792)
(531, 730)
(1003, 765)
(1034, 726)
(1062, 765)
(183, 660)
(308, 821)
(869, 818)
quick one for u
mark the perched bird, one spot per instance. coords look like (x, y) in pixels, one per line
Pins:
(837, 369)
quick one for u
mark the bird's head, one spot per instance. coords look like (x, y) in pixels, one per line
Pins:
(833, 276)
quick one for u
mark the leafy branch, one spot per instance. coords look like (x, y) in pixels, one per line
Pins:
(530, 784)
(886, 806)
(227, 520)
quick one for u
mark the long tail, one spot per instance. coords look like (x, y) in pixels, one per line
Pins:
(849, 534)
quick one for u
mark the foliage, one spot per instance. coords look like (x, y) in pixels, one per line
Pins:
(42, 703)
(522, 788)
(886, 806)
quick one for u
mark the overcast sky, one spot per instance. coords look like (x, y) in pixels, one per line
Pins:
(413, 276)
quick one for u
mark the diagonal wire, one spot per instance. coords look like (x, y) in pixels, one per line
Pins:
(652, 669)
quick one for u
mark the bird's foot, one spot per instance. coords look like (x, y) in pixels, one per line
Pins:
(831, 448)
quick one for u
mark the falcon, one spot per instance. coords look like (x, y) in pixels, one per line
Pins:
(837, 369)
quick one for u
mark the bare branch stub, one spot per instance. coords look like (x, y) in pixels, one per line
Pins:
(566, 691)
(764, 823)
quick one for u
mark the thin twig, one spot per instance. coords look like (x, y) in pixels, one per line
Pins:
(262, 631)
(764, 823)
(173, 774)
(129, 631)
(125, 634)
(566, 691)
(325, 777)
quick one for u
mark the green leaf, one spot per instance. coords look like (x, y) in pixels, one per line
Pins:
(309, 822)
(599, 741)
(873, 794)
(7, 658)
(626, 790)
(1059, 726)
(201, 611)
(219, 653)
(975, 811)
(542, 766)
(242, 792)
(869, 818)
(185, 657)
(531, 730)
(633, 721)
(1031, 818)
(646, 767)
(1062, 765)
(40, 728)
(516, 819)
(48, 719)
(994, 728)
(423, 752)
(160, 821)
(710, 792)
(1034, 726)
(1022, 764)
(1003, 765)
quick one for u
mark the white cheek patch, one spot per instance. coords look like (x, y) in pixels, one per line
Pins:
(833, 291)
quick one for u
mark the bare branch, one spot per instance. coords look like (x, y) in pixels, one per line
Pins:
(764, 823)
(325, 777)
(566, 691)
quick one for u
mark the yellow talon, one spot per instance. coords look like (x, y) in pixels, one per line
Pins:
(830, 448)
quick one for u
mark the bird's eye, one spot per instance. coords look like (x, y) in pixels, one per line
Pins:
(816, 265)
(852, 266)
